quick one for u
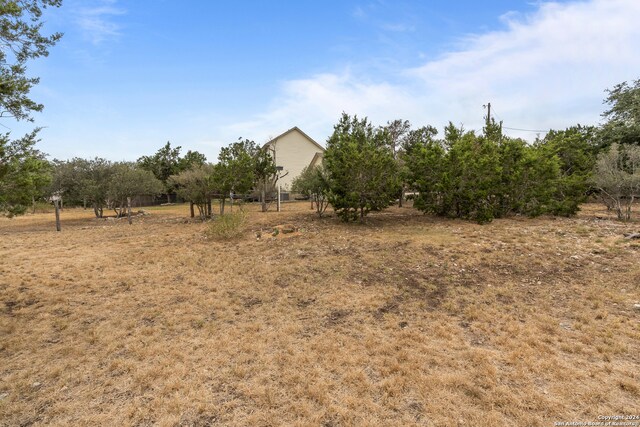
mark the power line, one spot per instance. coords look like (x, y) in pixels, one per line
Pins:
(519, 129)
(497, 115)
(526, 130)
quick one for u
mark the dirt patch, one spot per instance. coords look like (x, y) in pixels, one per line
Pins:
(335, 317)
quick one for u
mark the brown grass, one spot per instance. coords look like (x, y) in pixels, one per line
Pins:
(404, 320)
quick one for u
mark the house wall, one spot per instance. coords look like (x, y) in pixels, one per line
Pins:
(294, 152)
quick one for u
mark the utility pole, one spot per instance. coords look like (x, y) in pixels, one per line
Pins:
(488, 112)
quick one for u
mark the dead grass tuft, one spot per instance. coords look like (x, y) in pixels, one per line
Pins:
(228, 226)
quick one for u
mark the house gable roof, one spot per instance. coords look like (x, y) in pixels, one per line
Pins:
(296, 128)
(317, 159)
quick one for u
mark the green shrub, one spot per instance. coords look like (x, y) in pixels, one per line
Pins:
(228, 226)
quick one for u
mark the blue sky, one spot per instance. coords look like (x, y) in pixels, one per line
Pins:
(130, 75)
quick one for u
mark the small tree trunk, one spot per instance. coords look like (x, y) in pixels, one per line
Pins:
(208, 208)
(222, 206)
(33, 204)
(628, 209)
(119, 209)
(263, 198)
(129, 209)
(191, 209)
(57, 205)
(319, 206)
(401, 197)
(168, 198)
(618, 207)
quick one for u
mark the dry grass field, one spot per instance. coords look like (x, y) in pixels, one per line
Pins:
(403, 320)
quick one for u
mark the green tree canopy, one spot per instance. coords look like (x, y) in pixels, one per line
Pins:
(424, 159)
(197, 185)
(24, 173)
(192, 159)
(236, 169)
(623, 116)
(479, 177)
(20, 41)
(576, 149)
(128, 180)
(80, 180)
(164, 163)
(313, 182)
(362, 169)
(167, 161)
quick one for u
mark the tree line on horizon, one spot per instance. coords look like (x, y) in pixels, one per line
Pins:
(481, 176)
(463, 174)
(242, 166)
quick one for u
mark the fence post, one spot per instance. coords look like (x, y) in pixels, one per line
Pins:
(278, 204)
(129, 209)
(57, 205)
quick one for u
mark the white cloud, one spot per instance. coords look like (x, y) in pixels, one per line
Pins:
(548, 69)
(316, 103)
(96, 22)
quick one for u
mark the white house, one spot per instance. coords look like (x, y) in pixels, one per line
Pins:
(294, 150)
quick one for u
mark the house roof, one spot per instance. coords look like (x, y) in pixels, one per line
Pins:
(317, 158)
(295, 128)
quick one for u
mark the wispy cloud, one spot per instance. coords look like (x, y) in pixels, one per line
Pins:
(398, 27)
(371, 13)
(359, 13)
(547, 69)
(97, 21)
